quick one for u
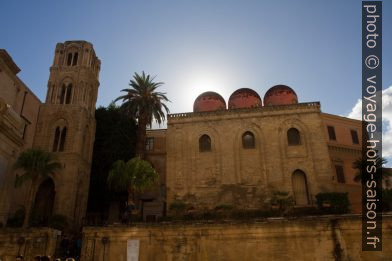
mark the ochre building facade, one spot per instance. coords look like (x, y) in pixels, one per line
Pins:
(241, 153)
(19, 109)
(64, 125)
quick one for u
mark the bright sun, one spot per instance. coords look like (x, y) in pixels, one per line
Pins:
(204, 84)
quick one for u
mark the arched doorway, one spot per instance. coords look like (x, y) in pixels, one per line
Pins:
(300, 188)
(43, 204)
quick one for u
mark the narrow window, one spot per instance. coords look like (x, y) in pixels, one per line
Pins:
(204, 143)
(62, 95)
(52, 90)
(69, 94)
(293, 137)
(248, 140)
(56, 139)
(331, 133)
(62, 139)
(75, 59)
(150, 144)
(354, 136)
(69, 59)
(340, 174)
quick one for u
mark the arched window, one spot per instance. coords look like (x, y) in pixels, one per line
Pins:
(72, 58)
(248, 140)
(62, 139)
(59, 139)
(66, 93)
(69, 93)
(300, 188)
(62, 95)
(75, 59)
(56, 139)
(204, 143)
(293, 137)
(69, 59)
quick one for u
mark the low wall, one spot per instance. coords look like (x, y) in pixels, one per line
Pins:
(27, 242)
(311, 238)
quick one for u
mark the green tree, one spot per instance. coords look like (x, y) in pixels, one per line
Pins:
(136, 175)
(36, 165)
(115, 139)
(360, 164)
(144, 103)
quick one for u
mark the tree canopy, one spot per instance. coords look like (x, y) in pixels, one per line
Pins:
(135, 175)
(115, 139)
(143, 103)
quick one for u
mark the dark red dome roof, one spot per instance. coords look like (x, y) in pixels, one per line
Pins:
(280, 95)
(209, 101)
(244, 98)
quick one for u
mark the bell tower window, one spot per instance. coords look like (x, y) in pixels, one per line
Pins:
(69, 59)
(59, 139)
(72, 59)
(75, 59)
(66, 94)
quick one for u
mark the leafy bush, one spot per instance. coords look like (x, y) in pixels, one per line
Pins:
(338, 202)
(17, 219)
(178, 208)
(282, 200)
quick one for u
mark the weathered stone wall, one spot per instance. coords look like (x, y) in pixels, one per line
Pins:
(343, 152)
(214, 177)
(77, 116)
(32, 242)
(18, 116)
(312, 238)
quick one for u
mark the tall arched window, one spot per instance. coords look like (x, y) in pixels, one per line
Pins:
(56, 139)
(69, 93)
(300, 188)
(62, 94)
(248, 140)
(66, 93)
(293, 137)
(59, 139)
(69, 59)
(204, 143)
(72, 58)
(75, 59)
(62, 139)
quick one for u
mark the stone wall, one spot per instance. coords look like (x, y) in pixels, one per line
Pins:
(213, 177)
(18, 116)
(27, 242)
(311, 238)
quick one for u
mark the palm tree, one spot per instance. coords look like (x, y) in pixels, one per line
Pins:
(36, 164)
(359, 164)
(136, 175)
(143, 103)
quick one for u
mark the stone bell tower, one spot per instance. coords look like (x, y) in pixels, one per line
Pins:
(66, 125)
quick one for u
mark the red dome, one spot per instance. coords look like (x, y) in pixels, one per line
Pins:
(209, 101)
(280, 95)
(244, 98)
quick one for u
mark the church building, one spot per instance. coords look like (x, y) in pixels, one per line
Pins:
(238, 153)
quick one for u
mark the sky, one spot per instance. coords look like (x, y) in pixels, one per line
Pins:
(196, 46)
